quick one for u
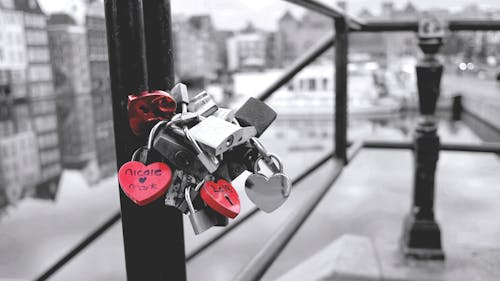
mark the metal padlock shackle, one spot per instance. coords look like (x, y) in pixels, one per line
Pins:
(271, 156)
(256, 142)
(191, 139)
(187, 196)
(151, 136)
(266, 156)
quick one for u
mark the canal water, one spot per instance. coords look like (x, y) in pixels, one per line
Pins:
(36, 232)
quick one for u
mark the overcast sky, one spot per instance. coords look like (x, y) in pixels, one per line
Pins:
(233, 14)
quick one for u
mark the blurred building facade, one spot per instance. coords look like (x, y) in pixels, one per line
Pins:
(401, 43)
(251, 49)
(288, 49)
(41, 95)
(28, 127)
(95, 25)
(295, 36)
(221, 37)
(19, 165)
(195, 51)
(13, 66)
(70, 67)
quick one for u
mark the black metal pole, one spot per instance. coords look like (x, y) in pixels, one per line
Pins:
(149, 254)
(341, 60)
(159, 44)
(161, 76)
(421, 234)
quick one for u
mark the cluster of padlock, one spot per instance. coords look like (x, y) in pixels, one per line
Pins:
(195, 150)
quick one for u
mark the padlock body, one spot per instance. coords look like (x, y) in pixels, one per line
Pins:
(202, 220)
(225, 114)
(180, 93)
(179, 154)
(175, 194)
(203, 104)
(255, 113)
(239, 159)
(209, 162)
(148, 108)
(216, 136)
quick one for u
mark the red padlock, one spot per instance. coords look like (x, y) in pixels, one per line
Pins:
(148, 108)
(222, 197)
(144, 184)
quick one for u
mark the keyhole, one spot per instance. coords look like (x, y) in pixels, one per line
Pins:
(229, 141)
(228, 199)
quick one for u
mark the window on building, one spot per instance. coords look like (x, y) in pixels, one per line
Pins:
(312, 84)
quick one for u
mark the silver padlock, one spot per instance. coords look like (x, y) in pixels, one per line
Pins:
(201, 220)
(268, 193)
(225, 114)
(210, 162)
(217, 136)
(203, 104)
(180, 93)
(175, 193)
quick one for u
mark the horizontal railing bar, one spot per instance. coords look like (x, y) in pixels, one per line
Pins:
(254, 211)
(354, 149)
(387, 144)
(259, 264)
(453, 25)
(299, 64)
(330, 11)
(82, 245)
(483, 147)
(474, 25)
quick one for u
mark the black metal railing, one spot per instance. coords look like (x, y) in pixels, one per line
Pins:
(140, 52)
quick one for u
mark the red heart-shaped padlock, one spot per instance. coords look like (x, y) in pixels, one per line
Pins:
(222, 197)
(144, 184)
(149, 107)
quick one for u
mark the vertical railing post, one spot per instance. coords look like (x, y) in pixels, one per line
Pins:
(340, 92)
(421, 237)
(151, 234)
(159, 44)
(160, 62)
